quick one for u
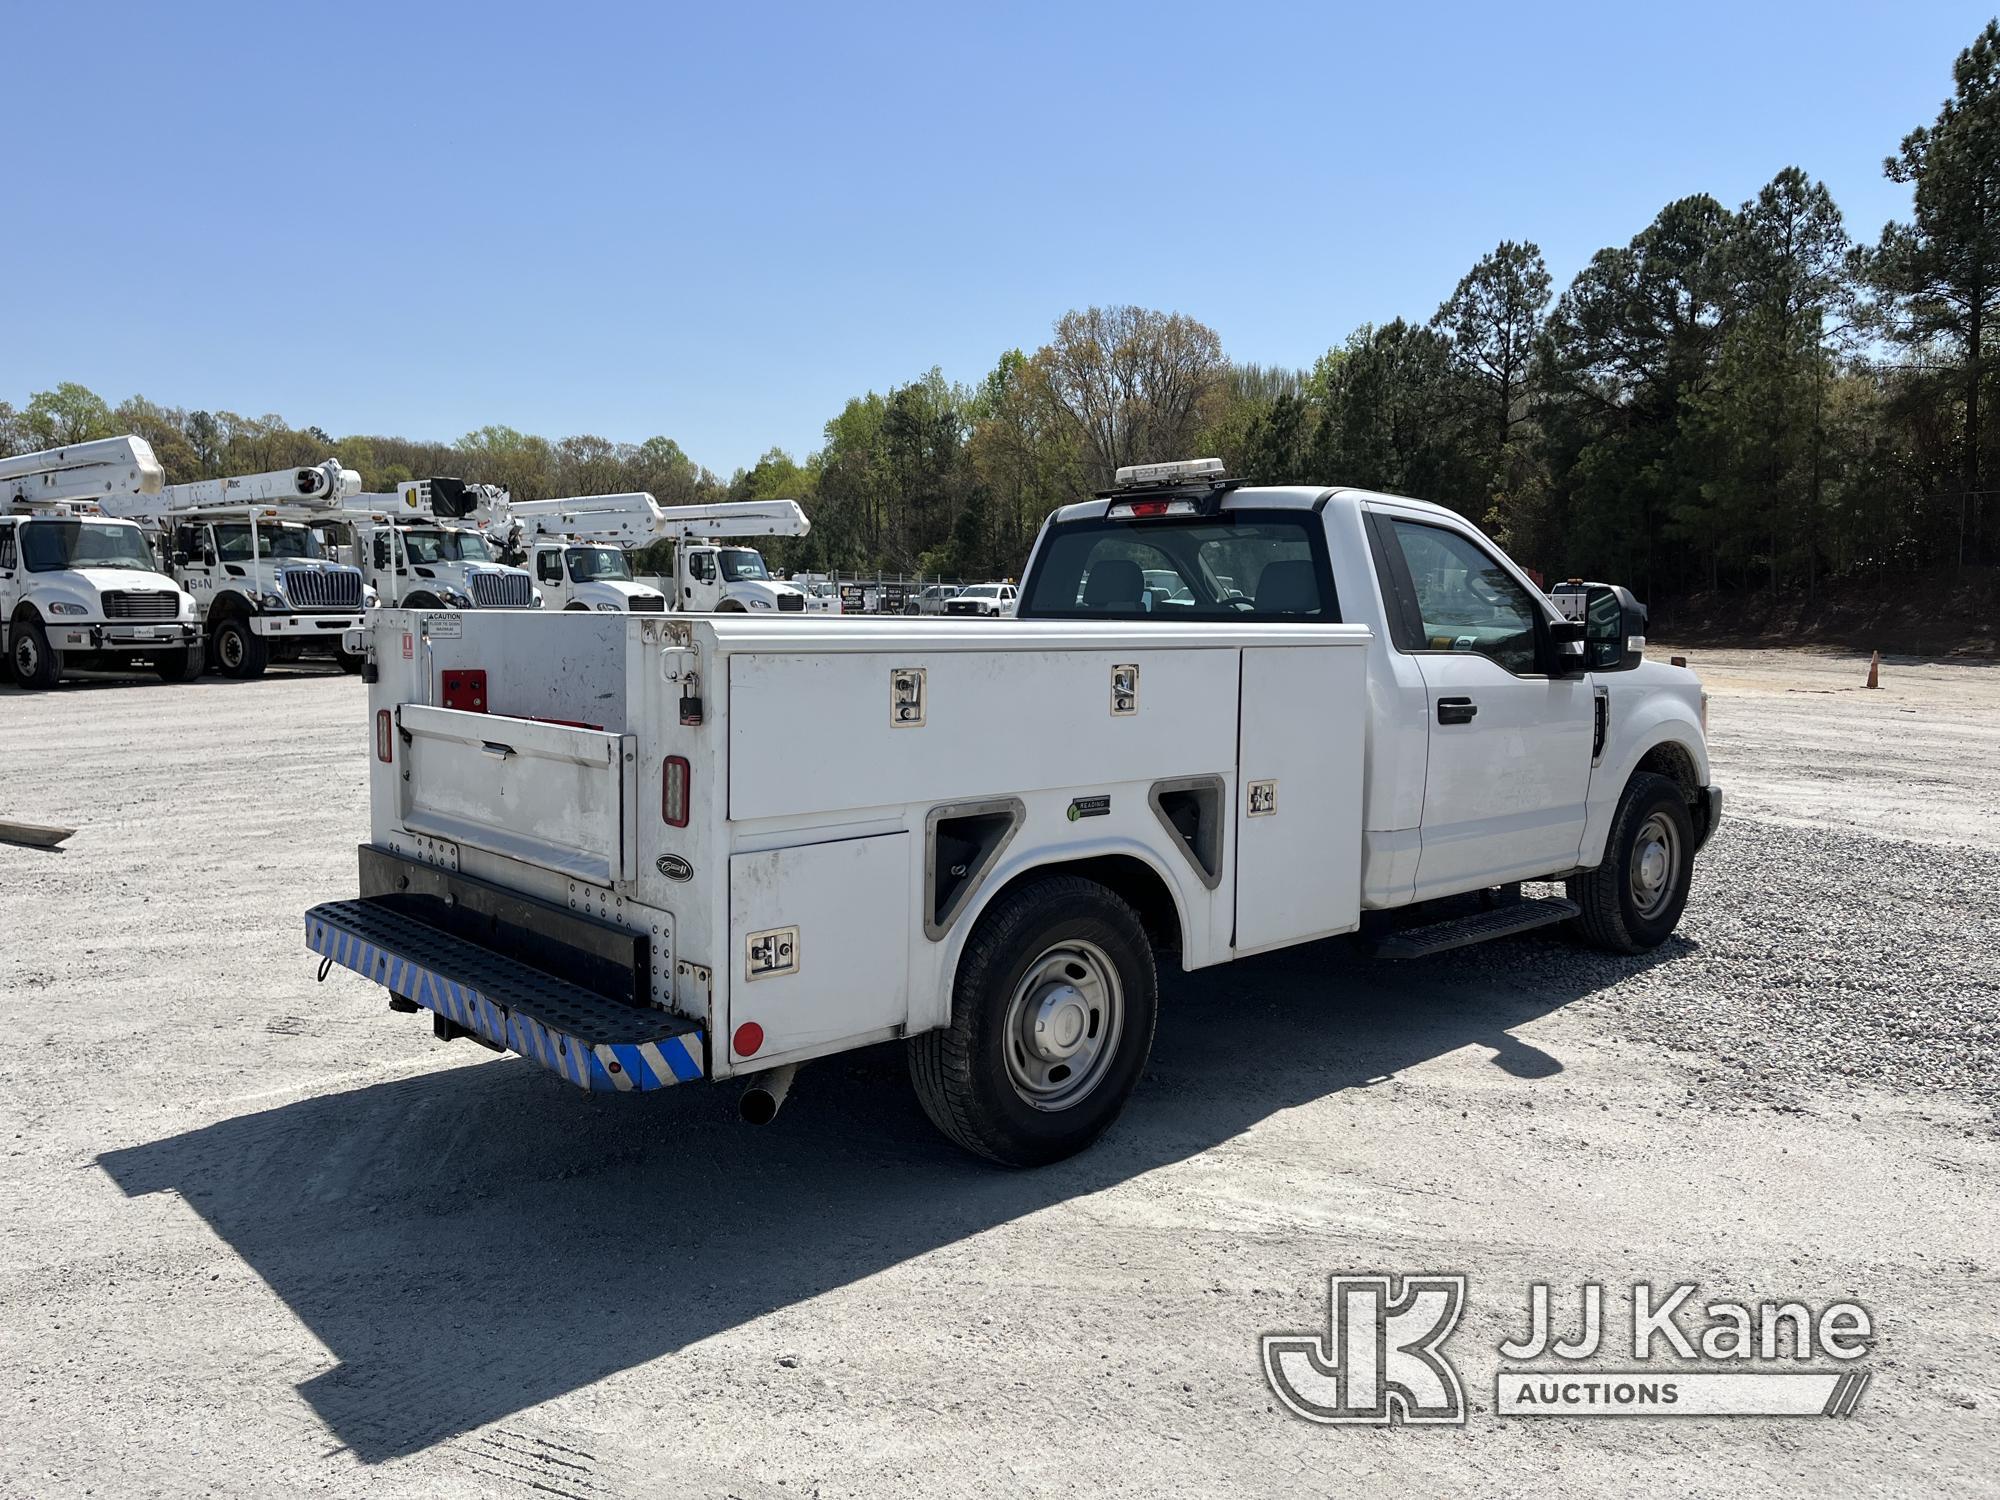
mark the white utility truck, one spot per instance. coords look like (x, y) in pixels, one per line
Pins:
(576, 547)
(79, 587)
(576, 550)
(1349, 713)
(712, 577)
(249, 550)
(428, 546)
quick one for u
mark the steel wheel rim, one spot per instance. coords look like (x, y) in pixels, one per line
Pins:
(27, 655)
(1656, 865)
(229, 646)
(1063, 1025)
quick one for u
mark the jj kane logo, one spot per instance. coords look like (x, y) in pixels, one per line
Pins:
(1381, 1359)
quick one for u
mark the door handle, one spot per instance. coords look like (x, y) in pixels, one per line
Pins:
(1456, 710)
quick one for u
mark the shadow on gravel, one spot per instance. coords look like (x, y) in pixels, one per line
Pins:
(473, 1242)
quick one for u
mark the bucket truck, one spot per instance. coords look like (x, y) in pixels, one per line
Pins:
(417, 551)
(576, 550)
(79, 587)
(586, 532)
(249, 551)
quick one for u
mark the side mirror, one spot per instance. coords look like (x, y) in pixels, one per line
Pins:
(180, 559)
(208, 557)
(1566, 639)
(1614, 628)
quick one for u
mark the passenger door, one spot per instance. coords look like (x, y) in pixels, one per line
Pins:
(549, 574)
(1508, 773)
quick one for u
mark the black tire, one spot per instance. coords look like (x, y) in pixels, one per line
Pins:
(184, 665)
(421, 600)
(351, 662)
(978, 1076)
(240, 652)
(568, 607)
(1633, 901)
(36, 664)
(730, 607)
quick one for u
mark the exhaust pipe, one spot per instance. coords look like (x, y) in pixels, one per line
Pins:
(764, 1095)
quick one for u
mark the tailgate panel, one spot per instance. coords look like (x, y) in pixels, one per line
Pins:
(548, 794)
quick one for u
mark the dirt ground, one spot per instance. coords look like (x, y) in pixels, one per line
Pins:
(260, 1236)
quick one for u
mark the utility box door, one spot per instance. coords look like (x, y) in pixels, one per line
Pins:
(819, 941)
(1299, 793)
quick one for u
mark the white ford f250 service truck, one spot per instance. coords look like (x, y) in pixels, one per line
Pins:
(1226, 720)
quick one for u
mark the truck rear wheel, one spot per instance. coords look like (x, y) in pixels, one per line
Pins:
(183, 665)
(37, 665)
(1632, 902)
(1051, 1024)
(239, 651)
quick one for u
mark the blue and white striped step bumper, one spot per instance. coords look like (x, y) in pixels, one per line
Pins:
(593, 1042)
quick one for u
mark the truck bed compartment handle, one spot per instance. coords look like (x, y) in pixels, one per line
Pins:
(494, 747)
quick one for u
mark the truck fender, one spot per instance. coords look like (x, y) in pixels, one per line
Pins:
(1663, 737)
(1111, 861)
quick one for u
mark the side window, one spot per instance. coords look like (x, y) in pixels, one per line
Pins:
(1466, 600)
(6, 547)
(702, 566)
(548, 565)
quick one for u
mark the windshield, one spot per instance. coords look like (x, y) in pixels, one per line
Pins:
(232, 542)
(1244, 565)
(739, 563)
(978, 591)
(50, 546)
(436, 545)
(586, 563)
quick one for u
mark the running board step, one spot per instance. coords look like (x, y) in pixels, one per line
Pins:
(594, 1042)
(1480, 927)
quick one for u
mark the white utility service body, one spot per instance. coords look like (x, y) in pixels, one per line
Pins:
(1079, 790)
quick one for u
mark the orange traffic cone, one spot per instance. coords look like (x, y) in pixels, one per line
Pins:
(1875, 670)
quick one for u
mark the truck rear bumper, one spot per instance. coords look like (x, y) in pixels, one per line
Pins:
(593, 1042)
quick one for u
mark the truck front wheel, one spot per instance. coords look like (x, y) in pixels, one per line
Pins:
(183, 665)
(36, 663)
(1051, 1023)
(1633, 901)
(239, 651)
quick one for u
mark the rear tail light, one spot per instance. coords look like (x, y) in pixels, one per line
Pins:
(674, 779)
(384, 737)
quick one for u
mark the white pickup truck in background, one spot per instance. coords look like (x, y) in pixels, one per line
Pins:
(1226, 720)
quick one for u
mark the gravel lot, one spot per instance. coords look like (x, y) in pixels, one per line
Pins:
(259, 1236)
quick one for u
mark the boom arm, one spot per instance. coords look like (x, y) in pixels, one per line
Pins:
(98, 471)
(326, 486)
(631, 520)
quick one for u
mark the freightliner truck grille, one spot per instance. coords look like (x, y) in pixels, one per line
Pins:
(791, 601)
(130, 604)
(500, 590)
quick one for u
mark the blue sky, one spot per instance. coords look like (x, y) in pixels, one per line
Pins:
(721, 221)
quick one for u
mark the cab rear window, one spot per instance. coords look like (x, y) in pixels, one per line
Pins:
(1240, 566)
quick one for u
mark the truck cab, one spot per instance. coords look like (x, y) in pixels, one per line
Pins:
(80, 589)
(435, 565)
(265, 585)
(589, 575)
(724, 579)
(1503, 736)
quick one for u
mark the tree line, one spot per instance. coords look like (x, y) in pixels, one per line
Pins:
(1735, 398)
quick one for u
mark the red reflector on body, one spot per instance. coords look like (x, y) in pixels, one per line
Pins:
(749, 1037)
(1149, 507)
(675, 781)
(384, 737)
